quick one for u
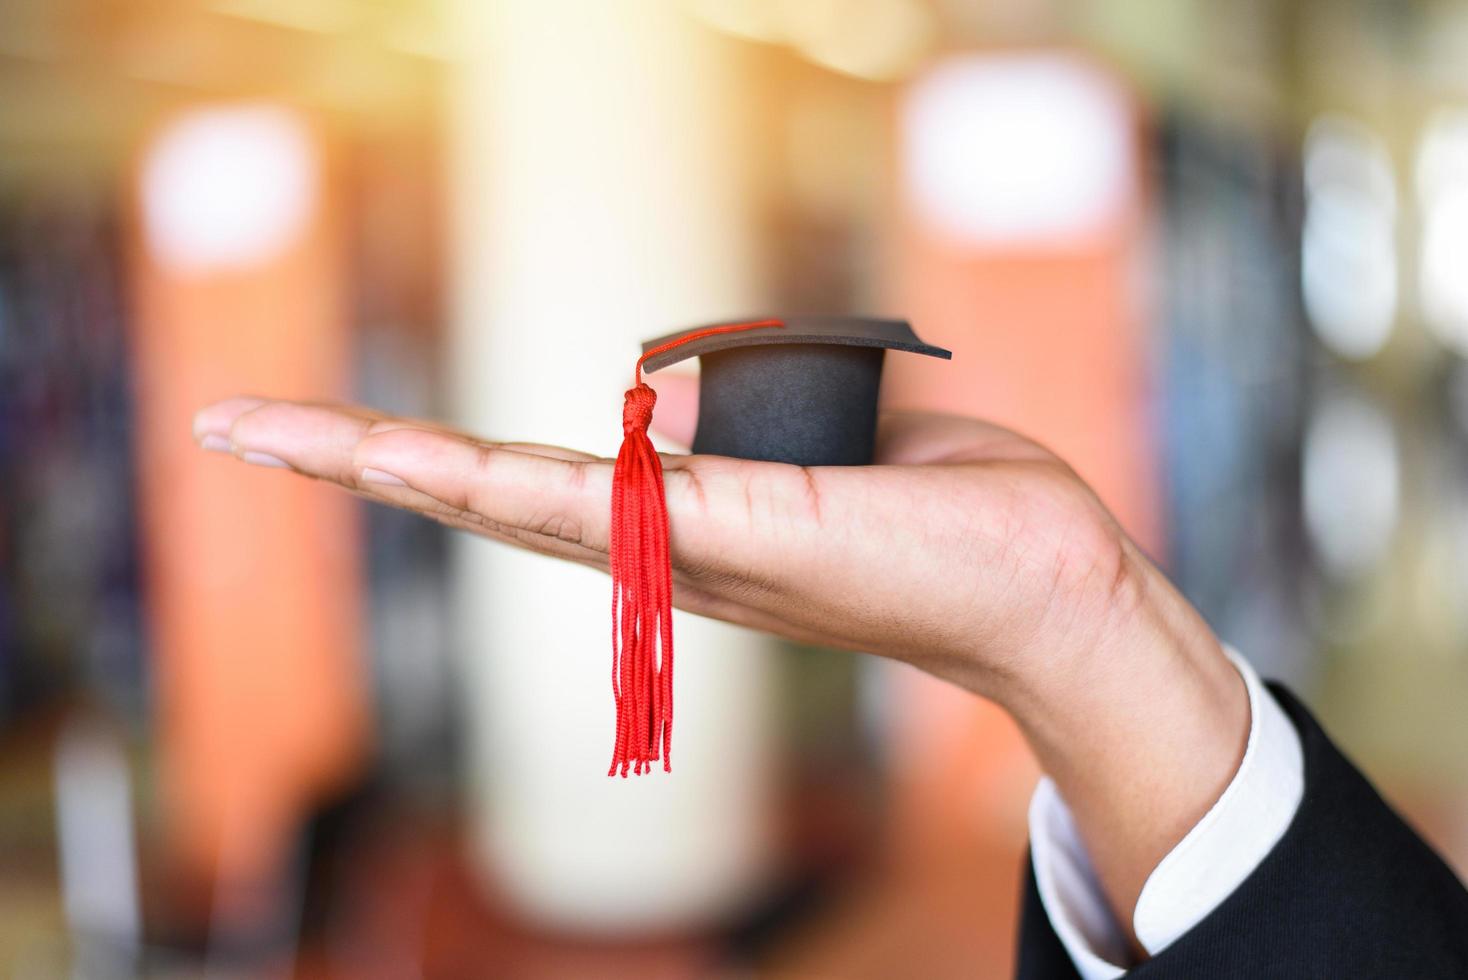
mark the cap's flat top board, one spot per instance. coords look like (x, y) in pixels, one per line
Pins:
(850, 331)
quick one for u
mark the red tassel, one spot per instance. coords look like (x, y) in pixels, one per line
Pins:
(642, 581)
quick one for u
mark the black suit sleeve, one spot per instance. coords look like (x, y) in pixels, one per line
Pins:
(1349, 891)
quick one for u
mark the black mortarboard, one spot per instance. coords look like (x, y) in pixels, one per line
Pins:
(802, 392)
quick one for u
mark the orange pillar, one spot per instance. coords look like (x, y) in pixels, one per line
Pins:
(253, 576)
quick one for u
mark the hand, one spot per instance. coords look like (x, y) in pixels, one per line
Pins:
(966, 550)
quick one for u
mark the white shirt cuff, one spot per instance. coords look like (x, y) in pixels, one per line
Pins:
(1205, 867)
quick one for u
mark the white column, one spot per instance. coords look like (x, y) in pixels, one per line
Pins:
(599, 196)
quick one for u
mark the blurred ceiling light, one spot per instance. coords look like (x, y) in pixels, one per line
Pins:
(1017, 149)
(1348, 250)
(1350, 484)
(228, 188)
(1442, 193)
(315, 16)
(878, 40)
(756, 20)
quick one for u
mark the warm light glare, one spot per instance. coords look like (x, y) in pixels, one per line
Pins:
(872, 39)
(756, 20)
(878, 40)
(1017, 150)
(228, 188)
(317, 16)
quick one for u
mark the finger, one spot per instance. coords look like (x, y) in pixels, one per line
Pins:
(550, 452)
(316, 437)
(731, 521)
(474, 524)
(313, 439)
(563, 495)
(558, 494)
(321, 441)
(676, 417)
(212, 423)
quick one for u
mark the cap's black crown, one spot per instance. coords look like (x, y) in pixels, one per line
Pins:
(804, 393)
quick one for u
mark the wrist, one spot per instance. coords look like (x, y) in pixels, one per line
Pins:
(1141, 722)
(1140, 659)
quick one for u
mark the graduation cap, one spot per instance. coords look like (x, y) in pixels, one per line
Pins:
(799, 389)
(802, 389)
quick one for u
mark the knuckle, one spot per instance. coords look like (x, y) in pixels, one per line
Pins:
(562, 527)
(575, 475)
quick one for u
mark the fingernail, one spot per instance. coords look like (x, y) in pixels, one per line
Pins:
(216, 419)
(215, 444)
(369, 475)
(265, 459)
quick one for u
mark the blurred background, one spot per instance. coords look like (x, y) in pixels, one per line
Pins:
(1212, 253)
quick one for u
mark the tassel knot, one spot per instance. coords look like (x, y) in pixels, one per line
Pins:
(637, 409)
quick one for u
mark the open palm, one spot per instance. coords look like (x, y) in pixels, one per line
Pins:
(964, 547)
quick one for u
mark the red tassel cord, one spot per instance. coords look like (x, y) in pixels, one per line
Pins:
(642, 581)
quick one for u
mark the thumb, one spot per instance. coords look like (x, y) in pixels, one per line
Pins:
(676, 417)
